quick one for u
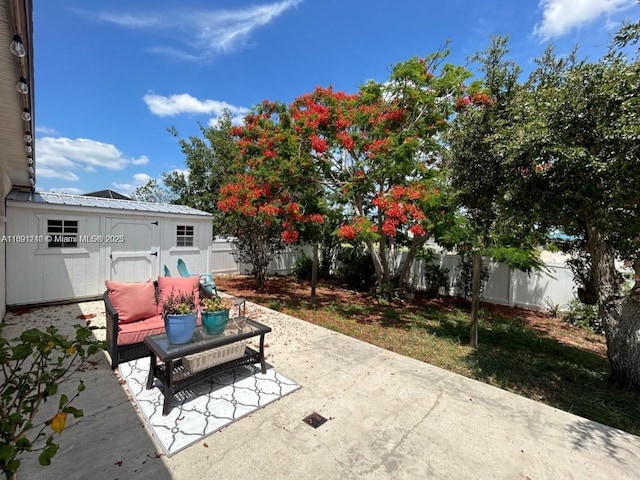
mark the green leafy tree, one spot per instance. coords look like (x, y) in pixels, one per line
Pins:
(577, 134)
(629, 34)
(153, 192)
(498, 222)
(208, 161)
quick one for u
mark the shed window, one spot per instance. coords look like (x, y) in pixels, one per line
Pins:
(62, 233)
(184, 236)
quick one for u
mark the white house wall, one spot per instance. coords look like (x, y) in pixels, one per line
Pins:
(38, 274)
(5, 188)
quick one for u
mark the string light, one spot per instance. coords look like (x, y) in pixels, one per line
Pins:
(22, 86)
(17, 47)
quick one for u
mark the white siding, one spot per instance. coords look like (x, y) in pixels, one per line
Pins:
(5, 188)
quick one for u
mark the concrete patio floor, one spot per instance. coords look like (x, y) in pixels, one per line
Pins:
(391, 417)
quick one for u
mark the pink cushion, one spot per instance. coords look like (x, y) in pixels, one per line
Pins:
(132, 301)
(179, 285)
(130, 333)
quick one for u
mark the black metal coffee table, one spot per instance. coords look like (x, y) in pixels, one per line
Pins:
(176, 378)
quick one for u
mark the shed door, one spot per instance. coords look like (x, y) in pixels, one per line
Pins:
(133, 247)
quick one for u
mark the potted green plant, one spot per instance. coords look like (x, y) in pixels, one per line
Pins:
(215, 314)
(179, 313)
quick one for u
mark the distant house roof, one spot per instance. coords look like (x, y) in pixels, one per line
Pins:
(99, 202)
(107, 194)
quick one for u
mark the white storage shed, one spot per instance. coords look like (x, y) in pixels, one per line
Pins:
(63, 247)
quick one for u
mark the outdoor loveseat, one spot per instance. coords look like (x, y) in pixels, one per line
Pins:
(133, 311)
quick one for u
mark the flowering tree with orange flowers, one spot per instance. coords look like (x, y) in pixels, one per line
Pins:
(372, 156)
(377, 152)
(272, 198)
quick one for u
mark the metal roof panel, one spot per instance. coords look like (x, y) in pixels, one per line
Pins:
(97, 202)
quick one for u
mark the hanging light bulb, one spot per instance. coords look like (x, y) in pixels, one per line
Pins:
(30, 170)
(26, 115)
(28, 148)
(30, 160)
(32, 182)
(28, 137)
(22, 86)
(17, 47)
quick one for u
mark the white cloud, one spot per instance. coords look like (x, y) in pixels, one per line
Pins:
(131, 21)
(60, 157)
(184, 103)
(236, 119)
(139, 179)
(46, 130)
(49, 172)
(201, 35)
(561, 16)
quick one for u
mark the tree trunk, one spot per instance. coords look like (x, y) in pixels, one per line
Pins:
(623, 336)
(408, 262)
(620, 316)
(381, 266)
(475, 298)
(314, 274)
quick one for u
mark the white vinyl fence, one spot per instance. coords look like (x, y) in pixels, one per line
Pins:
(223, 259)
(537, 290)
(540, 290)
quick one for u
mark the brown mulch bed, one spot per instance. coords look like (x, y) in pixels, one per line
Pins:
(293, 292)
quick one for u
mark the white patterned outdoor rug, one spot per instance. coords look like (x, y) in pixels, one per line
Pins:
(209, 405)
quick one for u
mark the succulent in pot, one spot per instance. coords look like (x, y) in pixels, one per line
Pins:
(214, 304)
(215, 314)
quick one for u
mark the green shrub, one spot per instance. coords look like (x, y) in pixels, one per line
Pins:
(355, 267)
(583, 315)
(303, 267)
(276, 305)
(435, 277)
(464, 276)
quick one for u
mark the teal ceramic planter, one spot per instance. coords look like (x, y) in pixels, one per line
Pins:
(215, 322)
(180, 328)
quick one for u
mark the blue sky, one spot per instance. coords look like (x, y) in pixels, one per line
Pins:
(111, 77)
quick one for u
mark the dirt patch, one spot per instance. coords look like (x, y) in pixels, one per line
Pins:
(289, 291)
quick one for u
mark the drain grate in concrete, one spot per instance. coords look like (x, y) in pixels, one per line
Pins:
(315, 420)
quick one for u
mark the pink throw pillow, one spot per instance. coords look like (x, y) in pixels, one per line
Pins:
(132, 301)
(179, 285)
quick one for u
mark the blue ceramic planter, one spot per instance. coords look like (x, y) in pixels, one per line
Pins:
(215, 322)
(180, 328)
